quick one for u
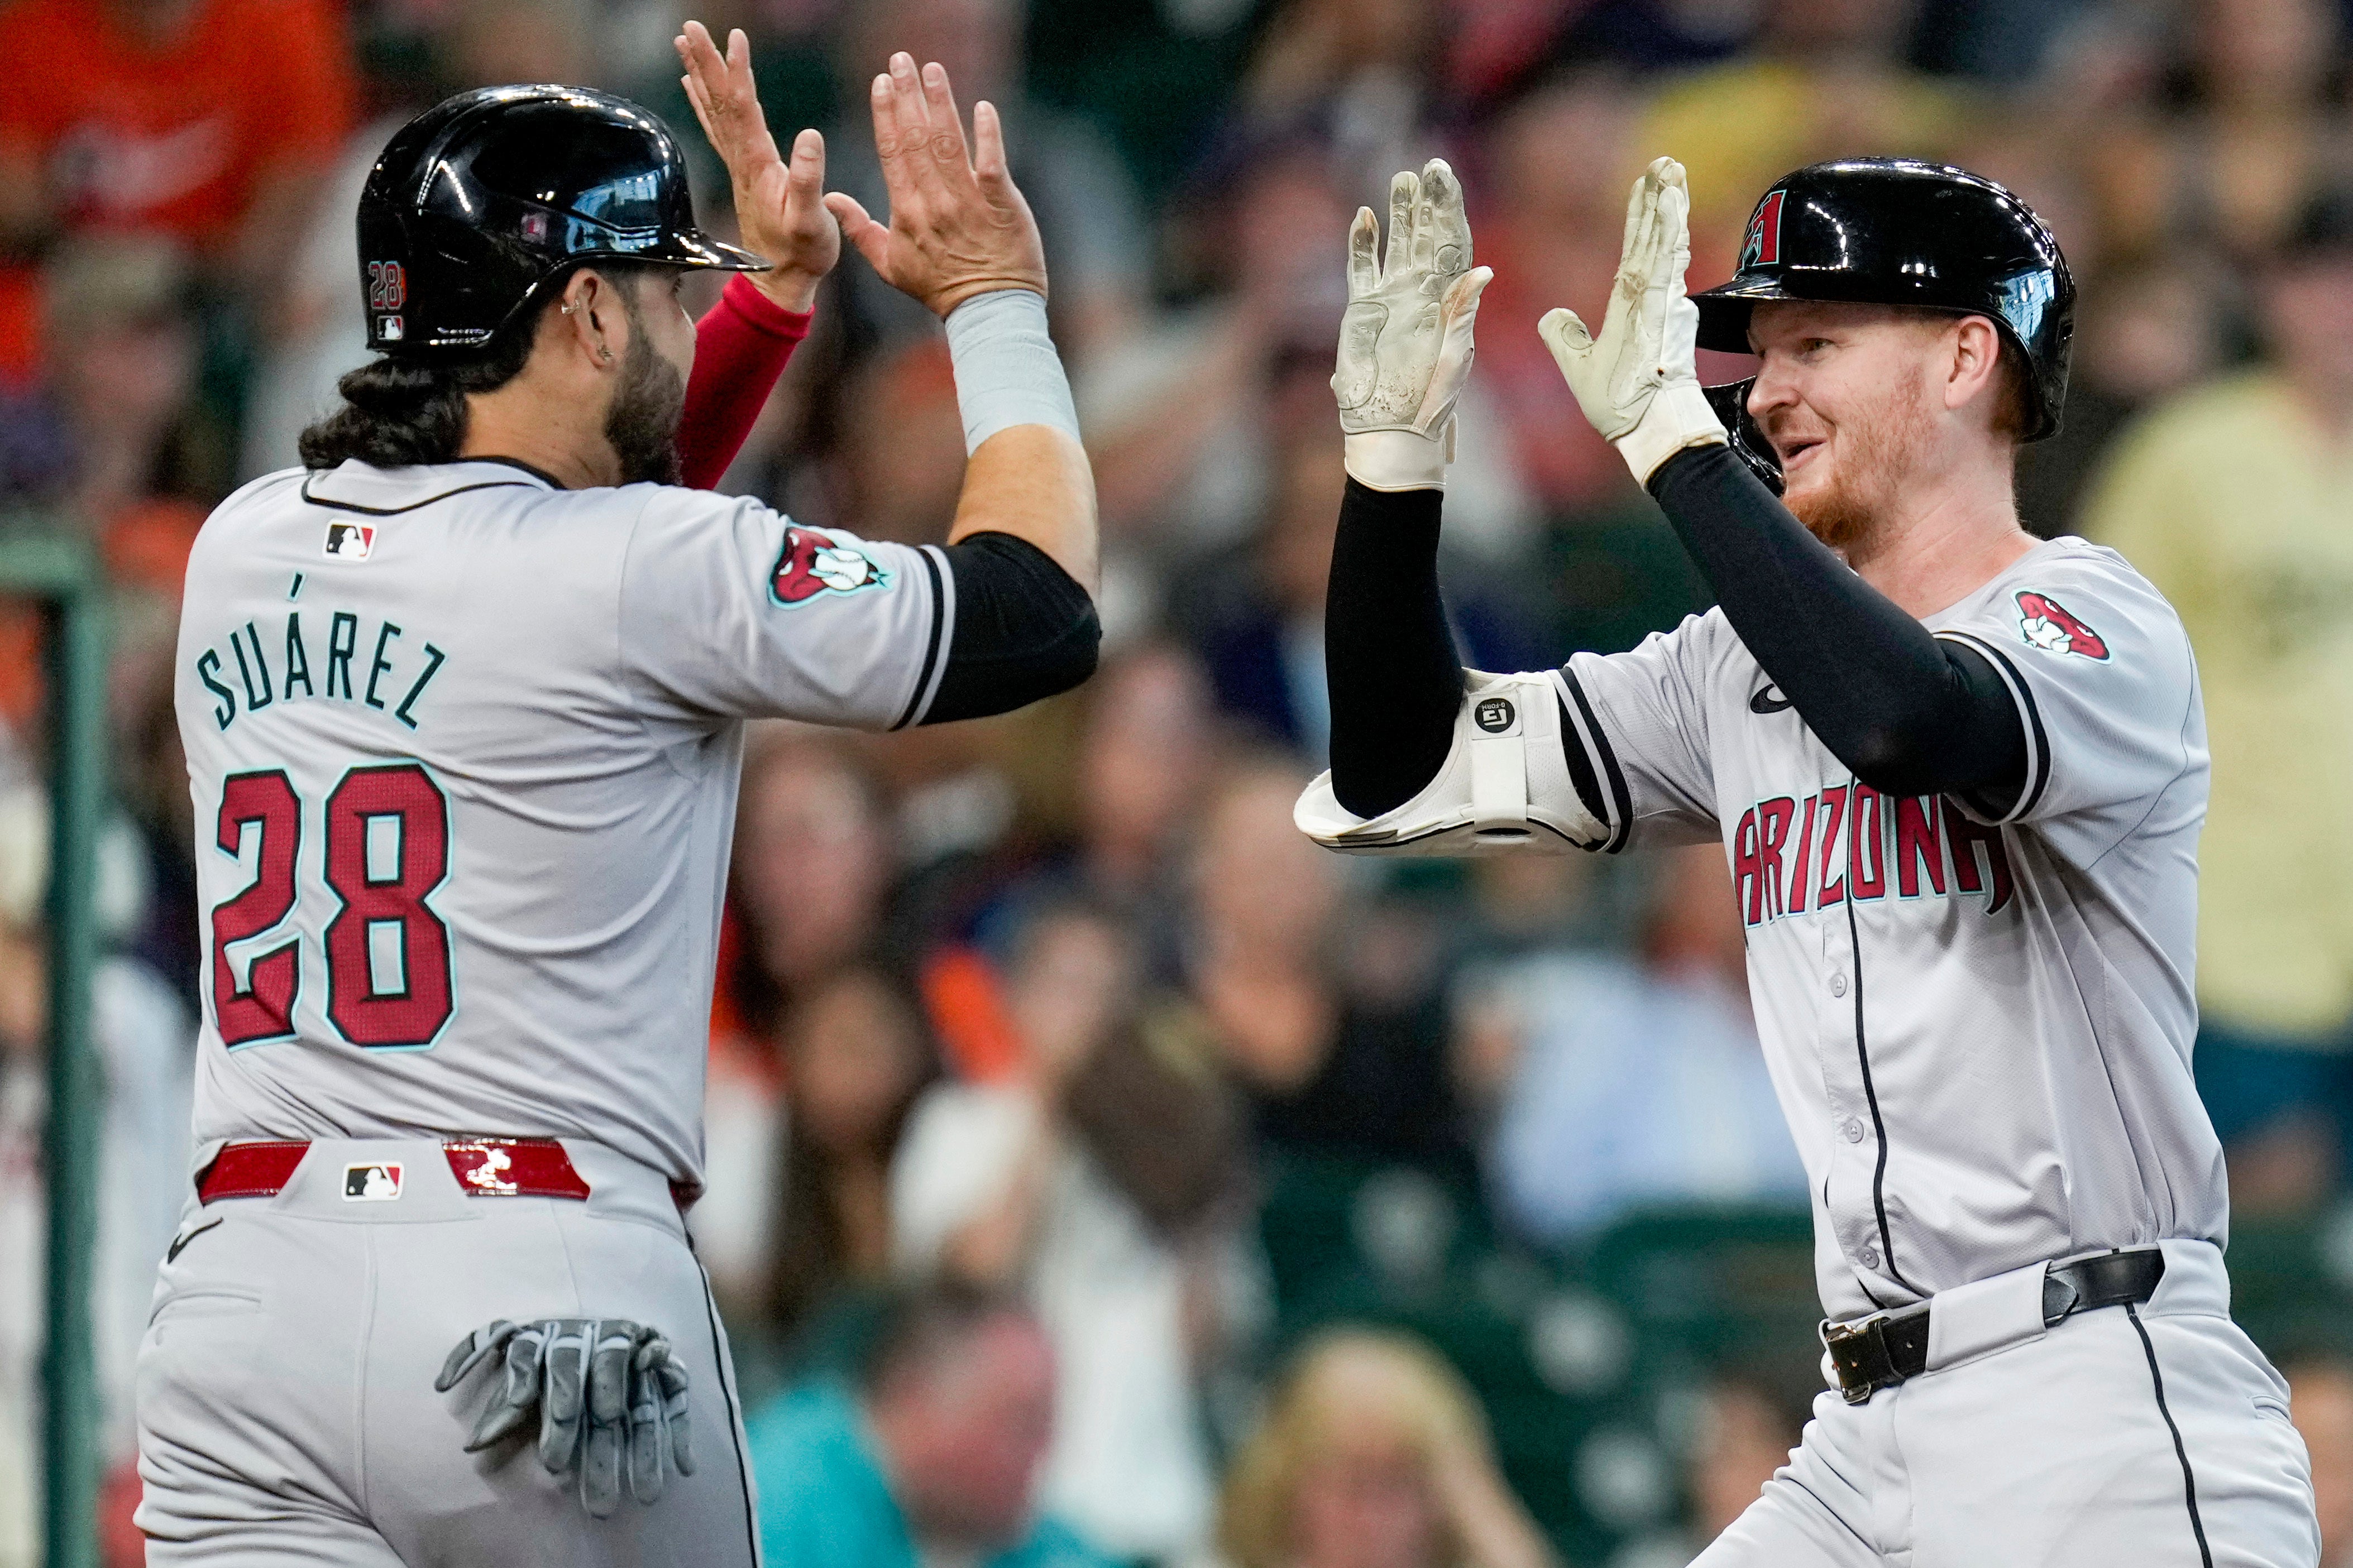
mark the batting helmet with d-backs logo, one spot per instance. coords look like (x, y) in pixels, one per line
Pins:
(1892, 231)
(480, 202)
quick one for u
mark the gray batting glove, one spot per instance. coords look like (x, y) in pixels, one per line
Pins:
(657, 1416)
(609, 1398)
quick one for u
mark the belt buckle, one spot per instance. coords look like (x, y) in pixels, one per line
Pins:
(1863, 1346)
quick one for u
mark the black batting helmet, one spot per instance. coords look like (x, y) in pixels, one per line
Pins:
(478, 204)
(1892, 231)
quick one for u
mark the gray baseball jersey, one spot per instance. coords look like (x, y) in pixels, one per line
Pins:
(464, 749)
(1979, 1024)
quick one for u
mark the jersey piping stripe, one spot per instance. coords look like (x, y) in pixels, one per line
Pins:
(1862, 1055)
(2038, 761)
(919, 698)
(734, 1422)
(412, 506)
(1621, 811)
(1581, 766)
(2189, 1477)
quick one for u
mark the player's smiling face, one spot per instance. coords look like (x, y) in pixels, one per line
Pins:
(1840, 393)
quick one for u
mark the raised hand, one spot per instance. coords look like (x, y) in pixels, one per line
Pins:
(959, 227)
(1406, 340)
(779, 206)
(1638, 379)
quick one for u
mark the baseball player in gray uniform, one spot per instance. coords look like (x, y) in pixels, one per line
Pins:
(1958, 775)
(464, 701)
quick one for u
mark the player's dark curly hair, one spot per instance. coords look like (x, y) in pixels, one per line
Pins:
(398, 411)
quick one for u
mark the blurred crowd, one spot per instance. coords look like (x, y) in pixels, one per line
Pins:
(1098, 1171)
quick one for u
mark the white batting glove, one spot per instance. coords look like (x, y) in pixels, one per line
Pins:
(1405, 342)
(1638, 382)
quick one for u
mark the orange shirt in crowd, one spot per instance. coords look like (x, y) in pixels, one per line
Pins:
(170, 135)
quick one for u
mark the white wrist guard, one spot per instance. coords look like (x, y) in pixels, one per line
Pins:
(1678, 416)
(1399, 459)
(1504, 787)
(1006, 372)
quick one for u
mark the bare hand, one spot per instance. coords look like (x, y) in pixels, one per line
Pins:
(779, 208)
(959, 225)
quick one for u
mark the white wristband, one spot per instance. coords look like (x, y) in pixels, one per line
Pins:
(1006, 372)
(1398, 459)
(1678, 416)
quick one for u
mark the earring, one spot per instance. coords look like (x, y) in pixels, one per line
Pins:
(569, 308)
(607, 354)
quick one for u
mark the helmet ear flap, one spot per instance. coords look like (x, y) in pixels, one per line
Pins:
(1730, 402)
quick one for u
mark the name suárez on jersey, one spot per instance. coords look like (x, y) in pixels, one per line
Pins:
(278, 662)
(1791, 857)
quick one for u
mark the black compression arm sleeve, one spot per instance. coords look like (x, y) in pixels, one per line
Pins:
(1394, 678)
(1911, 714)
(1024, 629)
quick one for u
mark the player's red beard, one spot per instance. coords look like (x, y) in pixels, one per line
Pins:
(1876, 449)
(642, 422)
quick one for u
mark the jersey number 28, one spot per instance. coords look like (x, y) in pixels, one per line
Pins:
(387, 836)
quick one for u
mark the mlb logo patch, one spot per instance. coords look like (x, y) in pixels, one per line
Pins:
(393, 330)
(376, 1183)
(350, 540)
(1763, 246)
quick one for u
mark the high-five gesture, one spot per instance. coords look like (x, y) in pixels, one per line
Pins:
(779, 207)
(958, 225)
(1405, 342)
(1638, 379)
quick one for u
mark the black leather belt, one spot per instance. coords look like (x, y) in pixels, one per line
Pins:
(1884, 1350)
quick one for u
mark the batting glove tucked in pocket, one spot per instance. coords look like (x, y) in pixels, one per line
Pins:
(608, 1395)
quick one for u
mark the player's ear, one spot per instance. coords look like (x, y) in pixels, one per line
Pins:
(592, 310)
(1974, 366)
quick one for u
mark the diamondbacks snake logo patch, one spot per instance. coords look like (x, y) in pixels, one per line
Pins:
(812, 565)
(2047, 625)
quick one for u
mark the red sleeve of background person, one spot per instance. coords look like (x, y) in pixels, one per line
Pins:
(741, 347)
(175, 136)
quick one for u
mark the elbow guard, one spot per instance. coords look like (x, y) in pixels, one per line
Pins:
(1505, 786)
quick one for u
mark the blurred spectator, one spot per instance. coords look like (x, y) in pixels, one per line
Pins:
(1346, 1061)
(1147, 752)
(855, 1059)
(1745, 1432)
(1373, 1454)
(1550, 219)
(1359, 73)
(809, 884)
(2320, 1393)
(144, 1046)
(1092, 1184)
(2233, 501)
(2142, 336)
(1096, 244)
(147, 462)
(2260, 131)
(812, 872)
(1826, 79)
(1638, 1081)
(931, 1457)
(1257, 619)
(210, 122)
(902, 445)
